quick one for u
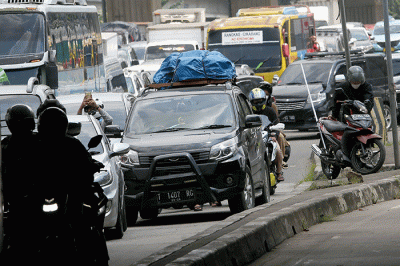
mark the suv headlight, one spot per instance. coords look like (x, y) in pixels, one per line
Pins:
(103, 178)
(224, 150)
(132, 158)
(317, 98)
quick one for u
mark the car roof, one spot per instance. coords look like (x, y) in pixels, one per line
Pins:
(78, 118)
(177, 42)
(103, 96)
(209, 89)
(394, 22)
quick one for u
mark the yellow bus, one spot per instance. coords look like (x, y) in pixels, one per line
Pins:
(267, 39)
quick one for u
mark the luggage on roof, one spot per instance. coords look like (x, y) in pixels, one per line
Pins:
(195, 65)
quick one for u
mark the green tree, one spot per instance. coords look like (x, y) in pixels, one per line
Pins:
(394, 8)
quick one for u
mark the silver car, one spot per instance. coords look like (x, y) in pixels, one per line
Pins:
(110, 177)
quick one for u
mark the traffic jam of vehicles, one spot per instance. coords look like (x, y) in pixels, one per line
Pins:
(107, 129)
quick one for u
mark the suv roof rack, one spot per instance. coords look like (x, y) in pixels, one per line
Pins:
(323, 54)
(188, 83)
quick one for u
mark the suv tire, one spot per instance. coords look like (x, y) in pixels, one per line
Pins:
(245, 199)
(266, 188)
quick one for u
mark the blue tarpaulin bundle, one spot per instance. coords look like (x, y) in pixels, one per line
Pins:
(195, 65)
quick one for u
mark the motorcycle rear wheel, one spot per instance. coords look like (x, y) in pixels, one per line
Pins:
(373, 159)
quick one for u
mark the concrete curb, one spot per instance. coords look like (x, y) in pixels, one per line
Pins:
(257, 237)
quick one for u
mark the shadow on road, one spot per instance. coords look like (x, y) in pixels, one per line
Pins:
(186, 216)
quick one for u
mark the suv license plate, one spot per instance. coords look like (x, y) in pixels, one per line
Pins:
(176, 196)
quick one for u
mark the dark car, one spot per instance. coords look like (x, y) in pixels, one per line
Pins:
(291, 92)
(193, 145)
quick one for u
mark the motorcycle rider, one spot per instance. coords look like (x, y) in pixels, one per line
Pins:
(19, 166)
(259, 101)
(267, 88)
(75, 180)
(354, 88)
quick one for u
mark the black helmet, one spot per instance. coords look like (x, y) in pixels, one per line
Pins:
(265, 86)
(53, 122)
(20, 118)
(49, 103)
(355, 74)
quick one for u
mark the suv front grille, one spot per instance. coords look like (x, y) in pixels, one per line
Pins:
(199, 157)
(290, 106)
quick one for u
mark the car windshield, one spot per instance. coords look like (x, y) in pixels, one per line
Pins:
(184, 112)
(114, 108)
(22, 33)
(258, 48)
(380, 30)
(315, 73)
(139, 52)
(6, 101)
(359, 34)
(163, 51)
(88, 131)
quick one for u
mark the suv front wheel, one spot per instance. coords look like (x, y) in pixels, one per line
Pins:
(246, 199)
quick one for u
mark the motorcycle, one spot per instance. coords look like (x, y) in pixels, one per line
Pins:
(63, 232)
(365, 152)
(269, 131)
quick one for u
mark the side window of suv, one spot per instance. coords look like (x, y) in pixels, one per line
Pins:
(245, 104)
(242, 114)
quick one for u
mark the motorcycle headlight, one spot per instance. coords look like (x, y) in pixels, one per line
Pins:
(131, 158)
(103, 178)
(317, 97)
(224, 150)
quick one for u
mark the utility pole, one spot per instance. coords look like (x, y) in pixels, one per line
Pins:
(392, 91)
(104, 10)
(345, 37)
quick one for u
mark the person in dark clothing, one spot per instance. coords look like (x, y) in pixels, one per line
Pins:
(74, 169)
(19, 171)
(259, 101)
(355, 88)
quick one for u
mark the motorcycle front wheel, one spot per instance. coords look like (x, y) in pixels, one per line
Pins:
(330, 171)
(368, 158)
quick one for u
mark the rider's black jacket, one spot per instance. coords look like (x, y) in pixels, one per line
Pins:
(363, 93)
(270, 113)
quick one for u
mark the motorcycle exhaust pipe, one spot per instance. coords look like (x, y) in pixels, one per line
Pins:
(317, 151)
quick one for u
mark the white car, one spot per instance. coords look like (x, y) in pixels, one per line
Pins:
(156, 52)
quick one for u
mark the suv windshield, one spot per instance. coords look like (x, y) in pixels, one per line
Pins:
(22, 33)
(184, 112)
(315, 73)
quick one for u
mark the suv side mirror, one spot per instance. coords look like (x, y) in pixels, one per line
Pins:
(285, 50)
(275, 80)
(340, 78)
(253, 121)
(113, 131)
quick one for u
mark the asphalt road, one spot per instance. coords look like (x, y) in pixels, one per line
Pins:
(172, 226)
(368, 236)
